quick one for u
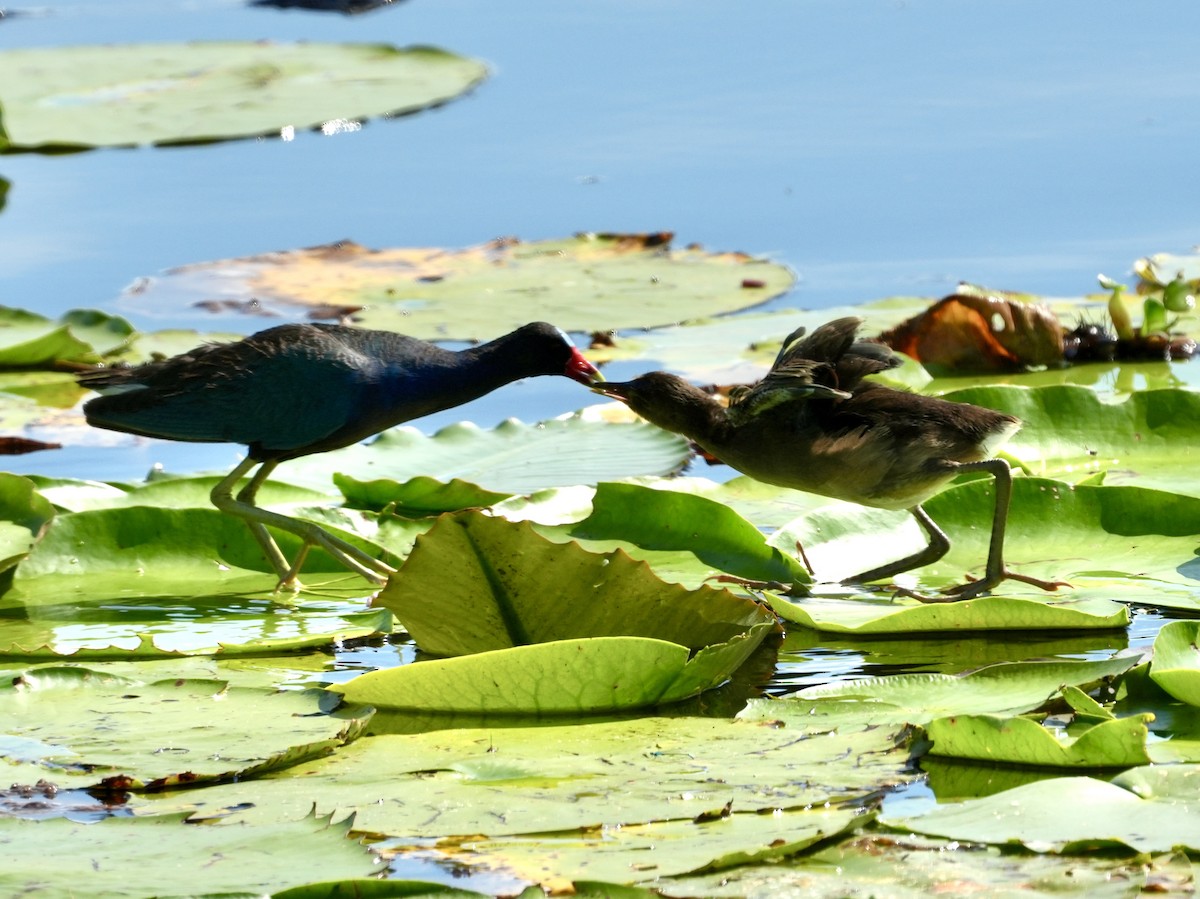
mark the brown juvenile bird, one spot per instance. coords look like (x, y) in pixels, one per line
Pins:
(814, 424)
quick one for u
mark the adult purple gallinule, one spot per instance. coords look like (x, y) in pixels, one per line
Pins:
(299, 389)
(814, 424)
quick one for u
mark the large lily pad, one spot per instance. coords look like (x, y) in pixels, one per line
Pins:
(586, 283)
(144, 551)
(713, 843)
(1129, 543)
(1069, 431)
(174, 733)
(478, 584)
(114, 95)
(1064, 814)
(513, 457)
(495, 781)
(877, 864)
(475, 583)
(176, 628)
(569, 676)
(224, 861)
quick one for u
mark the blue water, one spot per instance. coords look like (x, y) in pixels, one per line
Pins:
(876, 148)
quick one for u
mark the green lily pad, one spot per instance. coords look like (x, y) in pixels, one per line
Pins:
(672, 520)
(676, 847)
(496, 781)
(1070, 432)
(513, 457)
(1119, 743)
(417, 497)
(167, 734)
(591, 282)
(1062, 815)
(869, 864)
(571, 676)
(224, 861)
(121, 95)
(144, 551)
(173, 628)
(29, 340)
(477, 584)
(1009, 688)
(1129, 543)
(1176, 663)
(877, 616)
(24, 516)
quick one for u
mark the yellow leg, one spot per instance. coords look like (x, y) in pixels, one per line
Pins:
(259, 520)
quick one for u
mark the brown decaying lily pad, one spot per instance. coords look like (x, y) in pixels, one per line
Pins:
(974, 330)
(968, 331)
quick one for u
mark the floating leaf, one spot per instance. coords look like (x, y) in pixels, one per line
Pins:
(676, 847)
(29, 340)
(221, 860)
(585, 283)
(474, 584)
(1119, 743)
(417, 496)
(114, 95)
(1059, 815)
(24, 515)
(671, 520)
(877, 864)
(174, 628)
(498, 584)
(979, 330)
(1176, 663)
(569, 676)
(1009, 688)
(1130, 543)
(134, 735)
(557, 778)
(513, 457)
(880, 616)
(1069, 431)
(143, 551)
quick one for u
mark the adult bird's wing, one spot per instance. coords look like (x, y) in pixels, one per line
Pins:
(273, 391)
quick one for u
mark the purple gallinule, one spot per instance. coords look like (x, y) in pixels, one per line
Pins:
(308, 388)
(814, 424)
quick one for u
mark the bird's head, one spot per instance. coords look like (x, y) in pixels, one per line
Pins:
(668, 401)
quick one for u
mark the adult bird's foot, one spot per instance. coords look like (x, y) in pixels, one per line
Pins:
(976, 588)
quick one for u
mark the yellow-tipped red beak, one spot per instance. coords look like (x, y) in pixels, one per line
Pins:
(579, 369)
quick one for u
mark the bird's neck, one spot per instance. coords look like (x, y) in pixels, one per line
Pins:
(698, 417)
